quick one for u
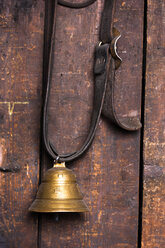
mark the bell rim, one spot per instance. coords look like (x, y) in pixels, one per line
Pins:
(38, 206)
(60, 211)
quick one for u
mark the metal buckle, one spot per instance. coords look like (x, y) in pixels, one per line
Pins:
(113, 47)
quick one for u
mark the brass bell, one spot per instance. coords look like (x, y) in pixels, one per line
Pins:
(59, 192)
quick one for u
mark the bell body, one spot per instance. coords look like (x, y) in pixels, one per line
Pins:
(59, 192)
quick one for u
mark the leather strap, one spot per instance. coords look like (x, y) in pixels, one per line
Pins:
(107, 35)
(109, 110)
(76, 5)
(104, 71)
(107, 22)
(101, 68)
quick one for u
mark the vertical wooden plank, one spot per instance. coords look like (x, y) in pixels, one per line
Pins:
(21, 45)
(153, 225)
(108, 173)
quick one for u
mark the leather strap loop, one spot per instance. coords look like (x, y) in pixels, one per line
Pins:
(109, 110)
(104, 71)
(76, 5)
(102, 59)
(109, 34)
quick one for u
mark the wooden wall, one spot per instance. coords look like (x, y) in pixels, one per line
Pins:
(153, 231)
(108, 174)
(21, 47)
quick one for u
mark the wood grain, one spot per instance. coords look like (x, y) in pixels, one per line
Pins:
(153, 228)
(21, 45)
(108, 173)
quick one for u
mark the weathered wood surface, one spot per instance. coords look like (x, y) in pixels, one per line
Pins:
(153, 228)
(108, 173)
(21, 46)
